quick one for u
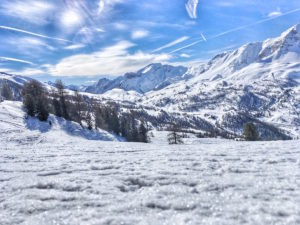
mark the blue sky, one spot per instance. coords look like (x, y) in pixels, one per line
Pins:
(81, 41)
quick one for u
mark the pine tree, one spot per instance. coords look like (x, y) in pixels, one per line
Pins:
(35, 100)
(88, 119)
(42, 109)
(6, 92)
(174, 137)
(143, 133)
(78, 107)
(250, 132)
(113, 121)
(99, 118)
(56, 107)
(62, 99)
(29, 105)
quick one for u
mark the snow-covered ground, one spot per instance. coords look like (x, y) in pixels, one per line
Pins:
(58, 177)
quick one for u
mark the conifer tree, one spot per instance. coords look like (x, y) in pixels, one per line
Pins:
(6, 92)
(250, 132)
(35, 100)
(62, 99)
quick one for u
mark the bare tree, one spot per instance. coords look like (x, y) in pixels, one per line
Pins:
(174, 136)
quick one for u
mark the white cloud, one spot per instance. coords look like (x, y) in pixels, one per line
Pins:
(177, 41)
(32, 43)
(183, 55)
(33, 11)
(191, 8)
(120, 26)
(275, 13)
(8, 59)
(32, 72)
(138, 34)
(105, 6)
(113, 60)
(30, 46)
(74, 47)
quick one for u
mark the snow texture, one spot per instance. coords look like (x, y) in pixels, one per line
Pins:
(66, 179)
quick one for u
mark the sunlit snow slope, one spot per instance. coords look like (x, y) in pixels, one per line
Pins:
(16, 129)
(59, 178)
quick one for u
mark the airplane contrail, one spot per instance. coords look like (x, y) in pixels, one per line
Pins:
(33, 34)
(203, 37)
(177, 41)
(235, 29)
(5, 59)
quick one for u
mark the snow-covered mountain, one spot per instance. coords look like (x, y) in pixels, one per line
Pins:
(15, 82)
(258, 82)
(278, 57)
(153, 77)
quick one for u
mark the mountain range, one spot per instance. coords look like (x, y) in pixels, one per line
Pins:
(257, 82)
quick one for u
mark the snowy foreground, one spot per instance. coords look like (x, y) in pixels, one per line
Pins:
(48, 180)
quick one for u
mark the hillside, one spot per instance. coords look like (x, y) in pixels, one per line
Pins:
(63, 179)
(15, 128)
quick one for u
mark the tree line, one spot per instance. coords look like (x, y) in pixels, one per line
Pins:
(40, 102)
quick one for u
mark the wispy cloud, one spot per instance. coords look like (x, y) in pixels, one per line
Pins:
(32, 33)
(275, 13)
(191, 8)
(184, 55)
(177, 41)
(112, 60)
(138, 34)
(28, 45)
(74, 47)
(8, 59)
(33, 11)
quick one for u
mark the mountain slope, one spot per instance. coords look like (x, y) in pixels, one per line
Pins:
(258, 82)
(15, 128)
(14, 82)
(279, 56)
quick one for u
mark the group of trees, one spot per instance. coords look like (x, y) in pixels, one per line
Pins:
(73, 106)
(35, 100)
(40, 102)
